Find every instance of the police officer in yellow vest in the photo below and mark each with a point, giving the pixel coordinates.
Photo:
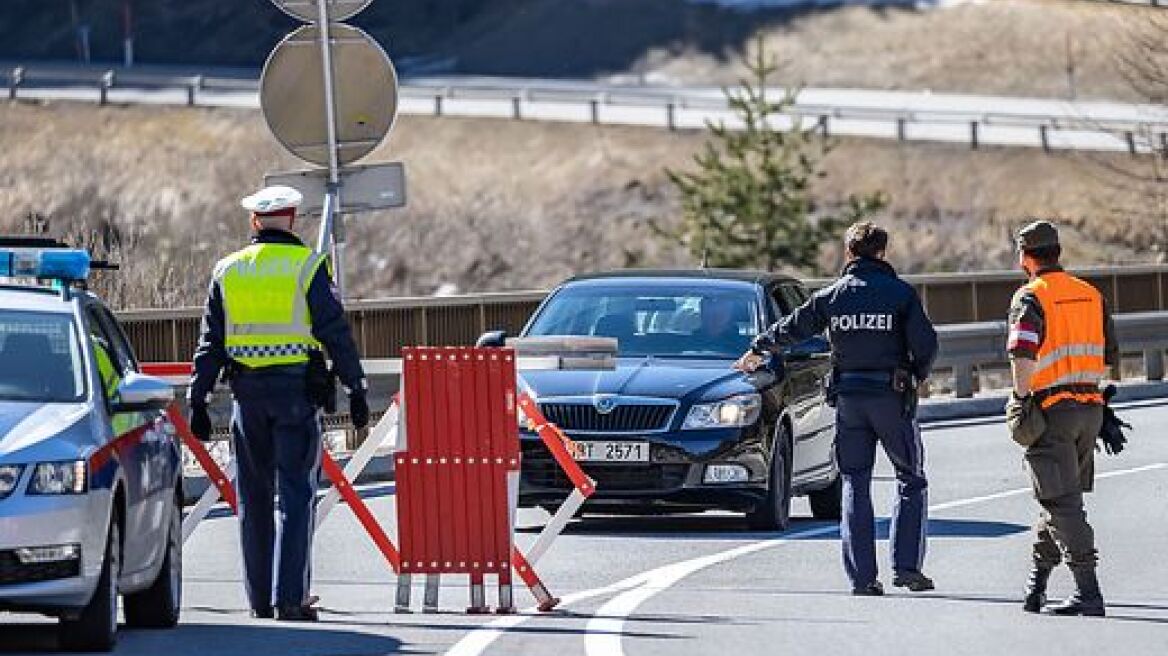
(1061, 342)
(270, 309)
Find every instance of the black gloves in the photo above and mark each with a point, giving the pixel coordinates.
(201, 422)
(1111, 433)
(358, 409)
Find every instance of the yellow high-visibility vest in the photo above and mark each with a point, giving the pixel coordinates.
(265, 304)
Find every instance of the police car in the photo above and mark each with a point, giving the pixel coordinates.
(90, 474)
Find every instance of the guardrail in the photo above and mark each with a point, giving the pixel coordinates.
(1136, 129)
(382, 327)
(967, 347)
(967, 350)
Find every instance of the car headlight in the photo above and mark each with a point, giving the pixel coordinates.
(9, 476)
(59, 478)
(742, 410)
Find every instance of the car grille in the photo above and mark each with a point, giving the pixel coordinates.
(623, 418)
(13, 571)
(541, 471)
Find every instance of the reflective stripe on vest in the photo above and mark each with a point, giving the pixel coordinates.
(1073, 349)
(265, 304)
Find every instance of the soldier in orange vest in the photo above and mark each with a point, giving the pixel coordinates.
(1061, 343)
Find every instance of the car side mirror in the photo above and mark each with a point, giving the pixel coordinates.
(142, 393)
(809, 349)
(492, 339)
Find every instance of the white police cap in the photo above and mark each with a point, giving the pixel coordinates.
(272, 199)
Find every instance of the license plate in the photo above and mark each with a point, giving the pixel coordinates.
(611, 451)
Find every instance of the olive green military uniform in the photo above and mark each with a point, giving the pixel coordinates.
(1061, 461)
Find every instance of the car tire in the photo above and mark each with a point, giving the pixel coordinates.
(159, 606)
(827, 503)
(774, 514)
(96, 628)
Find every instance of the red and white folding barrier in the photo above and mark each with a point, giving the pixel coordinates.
(457, 478)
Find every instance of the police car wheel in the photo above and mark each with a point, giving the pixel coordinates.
(159, 606)
(774, 514)
(96, 627)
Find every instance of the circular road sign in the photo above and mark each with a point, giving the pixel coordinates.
(364, 86)
(309, 10)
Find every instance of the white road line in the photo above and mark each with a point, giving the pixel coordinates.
(606, 627)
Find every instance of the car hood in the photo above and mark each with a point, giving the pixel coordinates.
(25, 427)
(688, 380)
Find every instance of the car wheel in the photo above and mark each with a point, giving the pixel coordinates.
(827, 503)
(158, 606)
(774, 514)
(96, 628)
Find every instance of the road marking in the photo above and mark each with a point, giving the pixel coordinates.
(605, 629)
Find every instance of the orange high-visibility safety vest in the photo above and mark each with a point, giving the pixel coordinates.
(1071, 360)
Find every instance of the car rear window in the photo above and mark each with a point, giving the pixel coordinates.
(39, 358)
(716, 322)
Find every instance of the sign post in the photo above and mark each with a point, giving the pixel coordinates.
(337, 118)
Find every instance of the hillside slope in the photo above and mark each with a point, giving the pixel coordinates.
(498, 205)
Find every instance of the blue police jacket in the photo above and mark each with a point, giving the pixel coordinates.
(329, 327)
(874, 320)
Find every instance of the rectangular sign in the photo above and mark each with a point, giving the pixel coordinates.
(363, 188)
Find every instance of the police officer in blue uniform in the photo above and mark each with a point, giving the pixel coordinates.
(270, 309)
(883, 346)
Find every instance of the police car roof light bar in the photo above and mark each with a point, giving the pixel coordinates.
(67, 265)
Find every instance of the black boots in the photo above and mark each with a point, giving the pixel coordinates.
(913, 580)
(1036, 588)
(1087, 600)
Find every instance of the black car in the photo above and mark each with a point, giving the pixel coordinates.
(674, 428)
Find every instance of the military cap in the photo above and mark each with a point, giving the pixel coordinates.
(272, 199)
(1039, 234)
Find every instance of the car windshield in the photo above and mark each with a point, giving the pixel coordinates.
(40, 359)
(717, 322)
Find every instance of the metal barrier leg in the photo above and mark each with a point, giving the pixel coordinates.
(546, 601)
(385, 432)
(555, 526)
(478, 596)
(402, 602)
(201, 508)
(433, 585)
(506, 595)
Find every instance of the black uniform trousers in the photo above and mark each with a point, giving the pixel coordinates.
(864, 419)
(1062, 468)
(277, 447)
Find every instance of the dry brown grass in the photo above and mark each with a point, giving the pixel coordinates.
(1011, 47)
(498, 205)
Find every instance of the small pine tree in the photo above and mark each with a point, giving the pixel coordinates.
(749, 203)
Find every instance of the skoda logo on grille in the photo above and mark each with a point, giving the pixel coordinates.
(604, 404)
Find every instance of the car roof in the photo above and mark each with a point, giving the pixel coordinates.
(35, 299)
(765, 278)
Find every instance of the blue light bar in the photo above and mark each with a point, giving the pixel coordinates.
(55, 263)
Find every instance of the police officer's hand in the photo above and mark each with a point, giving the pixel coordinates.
(359, 410)
(749, 362)
(201, 422)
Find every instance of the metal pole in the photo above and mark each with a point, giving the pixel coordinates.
(331, 220)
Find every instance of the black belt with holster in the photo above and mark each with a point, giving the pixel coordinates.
(320, 381)
(901, 381)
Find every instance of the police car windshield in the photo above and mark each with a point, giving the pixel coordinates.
(655, 320)
(40, 360)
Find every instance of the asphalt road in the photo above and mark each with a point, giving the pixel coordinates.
(702, 584)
